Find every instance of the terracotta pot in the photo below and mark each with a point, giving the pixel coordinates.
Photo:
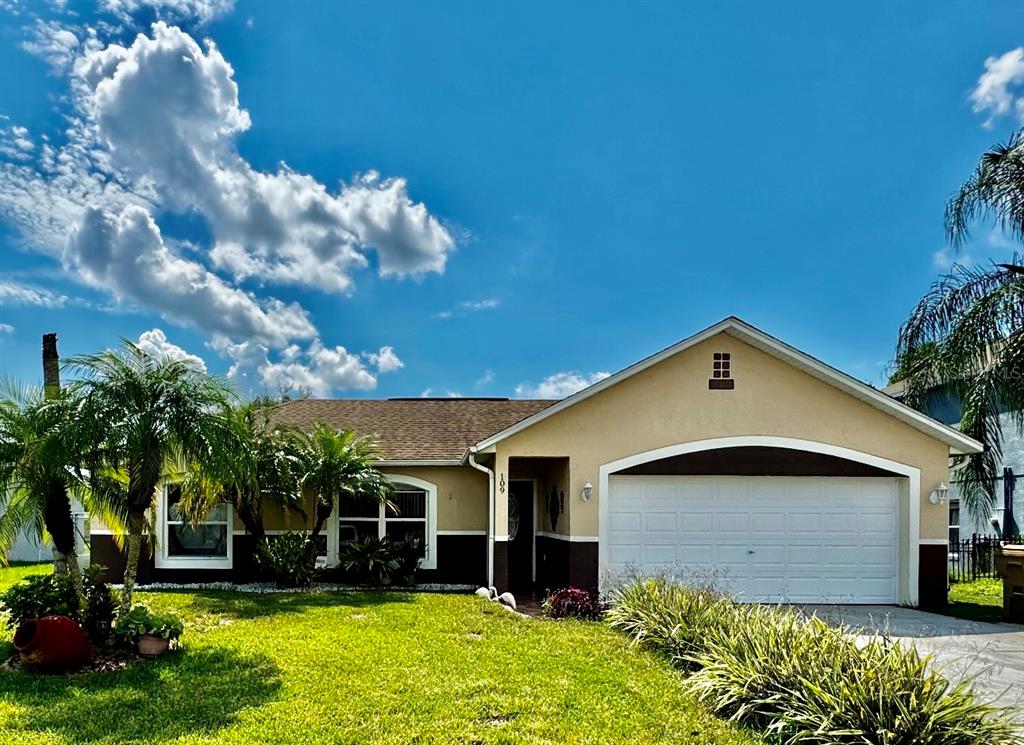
(52, 642)
(151, 645)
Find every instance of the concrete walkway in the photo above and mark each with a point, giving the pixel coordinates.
(991, 655)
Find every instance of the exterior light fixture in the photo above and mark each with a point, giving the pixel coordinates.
(939, 495)
(588, 489)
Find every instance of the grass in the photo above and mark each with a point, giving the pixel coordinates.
(364, 667)
(979, 600)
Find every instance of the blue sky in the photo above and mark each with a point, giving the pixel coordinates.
(562, 190)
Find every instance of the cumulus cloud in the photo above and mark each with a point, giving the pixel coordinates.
(126, 254)
(316, 370)
(6, 328)
(559, 385)
(18, 293)
(152, 128)
(994, 93)
(168, 112)
(385, 360)
(155, 343)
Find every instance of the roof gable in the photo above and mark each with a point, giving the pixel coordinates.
(958, 442)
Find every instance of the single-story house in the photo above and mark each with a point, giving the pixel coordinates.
(729, 453)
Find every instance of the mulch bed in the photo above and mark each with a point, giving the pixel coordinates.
(102, 661)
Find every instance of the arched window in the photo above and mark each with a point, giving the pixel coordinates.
(414, 519)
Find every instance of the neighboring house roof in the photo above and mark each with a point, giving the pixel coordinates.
(417, 429)
(958, 442)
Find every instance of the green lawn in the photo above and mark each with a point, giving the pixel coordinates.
(980, 600)
(363, 667)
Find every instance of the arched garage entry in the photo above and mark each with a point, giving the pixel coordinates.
(772, 518)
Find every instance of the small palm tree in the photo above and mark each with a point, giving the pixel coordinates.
(145, 416)
(338, 464)
(261, 465)
(40, 471)
(967, 333)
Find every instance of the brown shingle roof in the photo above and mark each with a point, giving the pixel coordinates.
(414, 429)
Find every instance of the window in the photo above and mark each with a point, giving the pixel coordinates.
(721, 371)
(954, 522)
(414, 518)
(206, 546)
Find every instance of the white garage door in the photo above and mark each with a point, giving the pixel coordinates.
(795, 540)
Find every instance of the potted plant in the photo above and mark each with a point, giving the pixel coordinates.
(152, 632)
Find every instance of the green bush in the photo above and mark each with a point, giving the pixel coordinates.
(799, 679)
(668, 616)
(40, 595)
(140, 620)
(54, 595)
(290, 558)
(372, 561)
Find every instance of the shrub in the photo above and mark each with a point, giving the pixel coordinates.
(140, 620)
(372, 561)
(668, 616)
(799, 679)
(54, 595)
(97, 617)
(573, 602)
(409, 556)
(40, 595)
(290, 558)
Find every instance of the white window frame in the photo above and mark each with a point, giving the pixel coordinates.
(430, 529)
(163, 560)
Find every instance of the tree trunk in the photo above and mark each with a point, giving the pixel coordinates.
(71, 563)
(136, 520)
(323, 511)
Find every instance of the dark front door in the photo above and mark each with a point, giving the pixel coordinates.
(520, 536)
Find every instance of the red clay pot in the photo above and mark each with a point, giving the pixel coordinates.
(52, 642)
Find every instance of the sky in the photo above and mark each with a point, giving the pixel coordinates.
(516, 199)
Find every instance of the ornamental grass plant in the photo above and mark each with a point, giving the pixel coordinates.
(799, 679)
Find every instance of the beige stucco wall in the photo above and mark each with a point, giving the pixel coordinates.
(461, 494)
(669, 403)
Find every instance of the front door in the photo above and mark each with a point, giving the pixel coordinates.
(520, 536)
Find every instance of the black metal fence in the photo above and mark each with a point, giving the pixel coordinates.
(973, 558)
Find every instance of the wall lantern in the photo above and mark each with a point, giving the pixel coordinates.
(939, 495)
(588, 489)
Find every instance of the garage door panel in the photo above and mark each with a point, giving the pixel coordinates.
(766, 538)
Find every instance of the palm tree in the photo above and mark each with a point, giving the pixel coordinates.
(262, 465)
(967, 332)
(338, 464)
(146, 416)
(40, 470)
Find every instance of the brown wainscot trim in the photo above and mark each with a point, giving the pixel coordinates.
(566, 561)
(461, 560)
(933, 573)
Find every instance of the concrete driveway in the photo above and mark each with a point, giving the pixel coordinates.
(990, 654)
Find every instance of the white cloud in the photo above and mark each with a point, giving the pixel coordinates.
(6, 328)
(152, 128)
(54, 42)
(484, 380)
(993, 95)
(468, 306)
(200, 11)
(168, 113)
(155, 343)
(317, 370)
(385, 360)
(126, 254)
(559, 385)
(17, 293)
(945, 258)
